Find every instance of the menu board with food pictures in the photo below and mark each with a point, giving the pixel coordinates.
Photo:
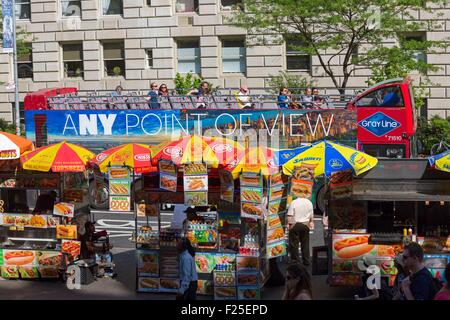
(251, 210)
(276, 179)
(251, 179)
(248, 278)
(247, 264)
(347, 214)
(119, 203)
(28, 272)
(147, 209)
(26, 220)
(195, 184)
(49, 258)
(11, 272)
(226, 186)
(196, 198)
(224, 278)
(275, 234)
(169, 264)
(48, 272)
(146, 284)
(71, 247)
(148, 263)
(341, 184)
(204, 262)
(75, 186)
(19, 258)
(169, 285)
(224, 293)
(66, 232)
(276, 249)
(349, 251)
(64, 209)
(119, 188)
(248, 293)
(301, 189)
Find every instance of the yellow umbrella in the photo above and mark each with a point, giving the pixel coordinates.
(441, 161)
(326, 157)
(59, 157)
(255, 159)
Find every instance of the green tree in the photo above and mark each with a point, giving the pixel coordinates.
(7, 127)
(349, 31)
(294, 82)
(185, 83)
(431, 132)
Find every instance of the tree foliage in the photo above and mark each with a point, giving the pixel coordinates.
(295, 83)
(7, 126)
(348, 33)
(431, 132)
(185, 83)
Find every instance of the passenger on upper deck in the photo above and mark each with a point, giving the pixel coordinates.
(284, 98)
(153, 95)
(243, 99)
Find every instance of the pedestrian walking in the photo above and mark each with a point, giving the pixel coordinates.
(420, 285)
(378, 290)
(402, 273)
(188, 272)
(300, 221)
(298, 283)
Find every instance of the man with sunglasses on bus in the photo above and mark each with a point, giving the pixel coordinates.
(420, 285)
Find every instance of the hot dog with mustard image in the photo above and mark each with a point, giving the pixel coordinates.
(353, 247)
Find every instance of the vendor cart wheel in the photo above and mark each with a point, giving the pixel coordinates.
(320, 200)
(99, 199)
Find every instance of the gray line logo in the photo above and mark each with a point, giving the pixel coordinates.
(374, 280)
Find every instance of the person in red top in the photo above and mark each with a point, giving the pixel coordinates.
(444, 293)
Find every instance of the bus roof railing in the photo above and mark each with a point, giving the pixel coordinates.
(95, 101)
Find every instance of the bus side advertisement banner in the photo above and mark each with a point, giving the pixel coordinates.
(113, 127)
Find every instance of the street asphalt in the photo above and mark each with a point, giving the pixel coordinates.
(120, 228)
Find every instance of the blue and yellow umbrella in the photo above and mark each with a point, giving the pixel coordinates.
(441, 161)
(325, 157)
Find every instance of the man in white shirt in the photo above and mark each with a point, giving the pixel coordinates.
(300, 221)
(244, 100)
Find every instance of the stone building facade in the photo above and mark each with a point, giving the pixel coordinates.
(99, 44)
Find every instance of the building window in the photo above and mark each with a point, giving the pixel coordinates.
(233, 56)
(231, 4)
(111, 7)
(23, 9)
(188, 56)
(70, 8)
(114, 58)
(186, 5)
(25, 63)
(73, 60)
(149, 55)
(296, 59)
(418, 55)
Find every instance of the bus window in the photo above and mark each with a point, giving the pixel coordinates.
(384, 97)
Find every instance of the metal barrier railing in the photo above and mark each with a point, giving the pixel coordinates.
(95, 101)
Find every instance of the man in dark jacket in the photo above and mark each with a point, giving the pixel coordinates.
(420, 284)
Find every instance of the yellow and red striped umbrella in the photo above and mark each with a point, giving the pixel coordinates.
(213, 151)
(59, 157)
(12, 146)
(133, 155)
(255, 159)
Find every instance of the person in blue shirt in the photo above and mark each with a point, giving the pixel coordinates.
(153, 94)
(188, 272)
(283, 98)
(392, 98)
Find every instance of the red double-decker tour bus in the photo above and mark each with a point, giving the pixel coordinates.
(381, 121)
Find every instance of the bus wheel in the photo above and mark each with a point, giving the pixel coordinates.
(320, 200)
(99, 197)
